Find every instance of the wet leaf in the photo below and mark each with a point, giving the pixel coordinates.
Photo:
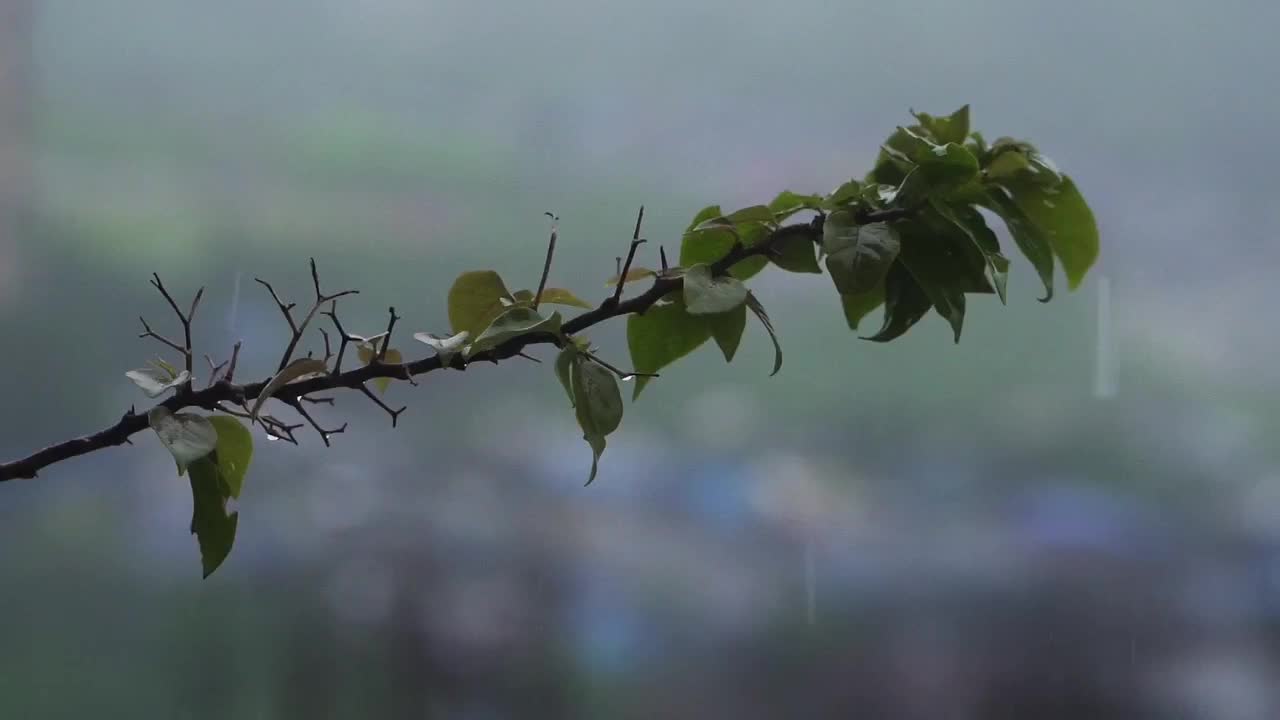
(187, 436)
(904, 304)
(857, 307)
(858, 256)
(1028, 236)
(707, 295)
(753, 214)
(796, 249)
(663, 334)
(1065, 220)
(758, 309)
(598, 404)
(296, 370)
(953, 128)
(939, 268)
(564, 364)
(707, 246)
(214, 528)
(368, 351)
(788, 203)
(516, 321)
(475, 300)
(233, 453)
(156, 381)
(983, 241)
(849, 192)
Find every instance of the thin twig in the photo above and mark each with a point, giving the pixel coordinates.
(395, 414)
(636, 242)
(621, 374)
(324, 433)
(386, 337)
(235, 356)
(297, 329)
(546, 266)
(157, 336)
(662, 256)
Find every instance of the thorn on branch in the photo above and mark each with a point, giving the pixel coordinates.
(395, 414)
(662, 256)
(546, 266)
(231, 366)
(328, 351)
(157, 336)
(386, 337)
(298, 328)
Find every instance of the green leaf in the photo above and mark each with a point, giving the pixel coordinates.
(516, 321)
(475, 300)
(214, 528)
(187, 436)
(758, 309)
(293, 371)
(858, 256)
(707, 213)
(708, 246)
(564, 365)
(953, 128)
(633, 275)
(1031, 240)
(856, 307)
(849, 192)
(233, 453)
(904, 304)
(788, 203)
(521, 297)
(368, 352)
(727, 328)
(560, 296)
(168, 369)
(795, 249)
(940, 169)
(753, 214)
(156, 381)
(598, 405)
(665, 333)
(445, 346)
(707, 295)
(939, 267)
(1065, 220)
(970, 222)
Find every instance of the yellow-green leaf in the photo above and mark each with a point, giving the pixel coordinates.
(233, 453)
(475, 299)
(293, 371)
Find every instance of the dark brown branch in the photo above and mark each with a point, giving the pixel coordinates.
(395, 414)
(156, 336)
(386, 337)
(631, 254)
(324, 433)
(184, 318)
(297, 329)
(225, 391)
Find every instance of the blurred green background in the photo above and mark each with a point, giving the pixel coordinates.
(1074, 513)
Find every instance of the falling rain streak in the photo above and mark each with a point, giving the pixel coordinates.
(1104, 368)
(810, 598)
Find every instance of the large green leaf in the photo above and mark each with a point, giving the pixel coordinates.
(707, 295)
(1028, 236)
(1064, 218)
(213, 526)
(709, 245)
(597, 404)
(848, 192)
(858, 256)
(663, 334)
(904, 304)
(939, 267)
(233, 453)
(788, 203)
(475, 300)
(939, 171)
(516, 321)
(564, 366)
(753, 214)
(727, 329)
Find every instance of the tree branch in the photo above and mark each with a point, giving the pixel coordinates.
(225, 391)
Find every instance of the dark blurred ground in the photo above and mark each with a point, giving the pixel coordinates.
(1041, 522)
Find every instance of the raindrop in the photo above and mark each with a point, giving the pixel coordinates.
(628, 378)
(1104, 369)
(272, 437)
(232, 315)
(810, 596)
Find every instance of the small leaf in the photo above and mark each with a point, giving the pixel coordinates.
(155, 381)
(516, 321)
(214, 528)
(712, 243)
(795, 250)
(475, 299)
(857, 307)
(665, 333)
(858, 256)
(560, 296)
(951, 129)
(1028, 236)
(445, 346)
(904, 304)
(233, 453)
(707, 295)
(598, 405)
(187, 436)
(849, 192)
(295, 370)
(788, 203)
(169, 370)
(635, 274)
(727, 328)
(758, 309)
